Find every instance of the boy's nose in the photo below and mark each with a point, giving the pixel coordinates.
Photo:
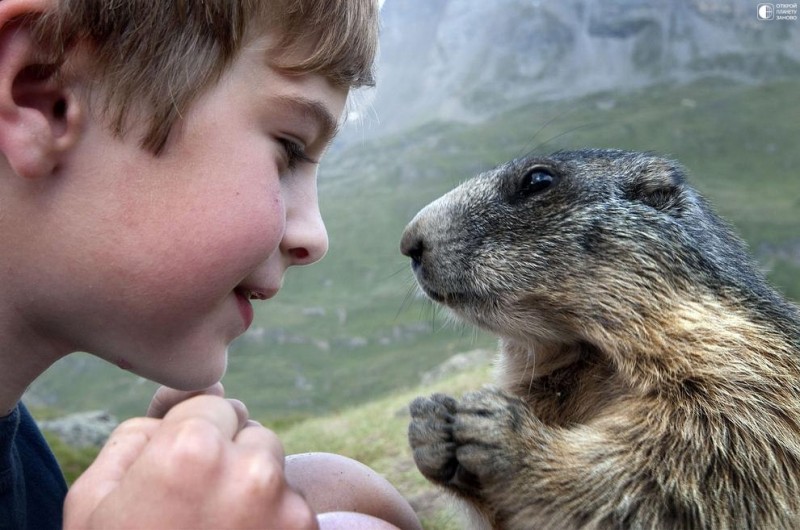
(306, 239)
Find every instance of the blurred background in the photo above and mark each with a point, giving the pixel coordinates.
(464, 85)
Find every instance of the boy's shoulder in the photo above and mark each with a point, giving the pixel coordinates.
(32, 487)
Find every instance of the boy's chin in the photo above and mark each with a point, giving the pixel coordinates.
(198, 381)
(190, 377)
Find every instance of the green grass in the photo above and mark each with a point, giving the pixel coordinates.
(72, 460)
(375, 433)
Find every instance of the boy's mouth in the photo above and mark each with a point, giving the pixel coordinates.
(243, 297)
(245, 307)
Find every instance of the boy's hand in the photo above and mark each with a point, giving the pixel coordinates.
(195, 468)
(165, 398)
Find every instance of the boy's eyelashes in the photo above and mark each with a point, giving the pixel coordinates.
(295, 153)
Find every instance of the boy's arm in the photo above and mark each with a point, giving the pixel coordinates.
(348, 494)
(194, 469)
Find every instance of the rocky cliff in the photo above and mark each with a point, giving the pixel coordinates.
(465, 59)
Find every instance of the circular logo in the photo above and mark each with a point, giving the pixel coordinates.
(766, 11)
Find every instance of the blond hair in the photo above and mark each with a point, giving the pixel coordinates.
(162, 54)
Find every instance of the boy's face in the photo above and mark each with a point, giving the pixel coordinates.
(148, 261)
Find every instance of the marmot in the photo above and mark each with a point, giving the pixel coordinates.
(648, 377)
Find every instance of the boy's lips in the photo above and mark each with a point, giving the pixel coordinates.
(243, 297)
(245, 308)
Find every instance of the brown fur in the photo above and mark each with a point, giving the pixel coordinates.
(648, 375)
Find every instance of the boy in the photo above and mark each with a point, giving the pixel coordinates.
(158, 174)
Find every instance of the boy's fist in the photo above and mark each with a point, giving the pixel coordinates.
(195, 468)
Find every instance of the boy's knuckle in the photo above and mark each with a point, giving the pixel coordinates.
(196, 447)
(131, 426)
(260, 475)
(130, 434)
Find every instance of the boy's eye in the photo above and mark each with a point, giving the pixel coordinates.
(295, 154)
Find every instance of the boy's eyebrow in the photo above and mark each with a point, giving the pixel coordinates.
(315, 111)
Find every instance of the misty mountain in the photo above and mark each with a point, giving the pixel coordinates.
(463, 60)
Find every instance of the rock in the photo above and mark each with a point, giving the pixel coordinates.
(85, 429)
(314, 312)
(459, 362)
(460, 60)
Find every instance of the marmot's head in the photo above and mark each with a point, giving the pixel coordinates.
(542, 247)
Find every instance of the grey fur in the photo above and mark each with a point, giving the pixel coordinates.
(648, 377)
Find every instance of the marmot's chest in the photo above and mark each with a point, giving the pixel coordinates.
(573, 394)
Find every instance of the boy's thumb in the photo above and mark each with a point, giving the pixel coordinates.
(121, 450)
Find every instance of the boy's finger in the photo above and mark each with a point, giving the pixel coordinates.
(120, 451)
(125, 444)
(215, 410)
(165, 398)
(257, 437)
(242, 413)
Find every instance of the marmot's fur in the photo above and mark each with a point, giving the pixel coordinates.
(648, 375)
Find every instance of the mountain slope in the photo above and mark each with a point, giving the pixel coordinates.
(351, 329)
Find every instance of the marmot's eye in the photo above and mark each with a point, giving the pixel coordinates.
(536, 180)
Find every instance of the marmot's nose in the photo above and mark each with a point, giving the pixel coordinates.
(412, 244)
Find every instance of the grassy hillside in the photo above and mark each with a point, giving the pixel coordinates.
(375, 434)
(351, 330)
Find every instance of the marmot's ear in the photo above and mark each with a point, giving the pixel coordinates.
(655, 182)
(39, 118)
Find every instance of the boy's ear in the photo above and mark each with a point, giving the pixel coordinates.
(39, 119)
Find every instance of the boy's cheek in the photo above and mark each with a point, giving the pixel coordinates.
(192, 261)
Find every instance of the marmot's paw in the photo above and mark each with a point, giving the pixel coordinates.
(430, 434)
(488, 430)
(467, 443)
